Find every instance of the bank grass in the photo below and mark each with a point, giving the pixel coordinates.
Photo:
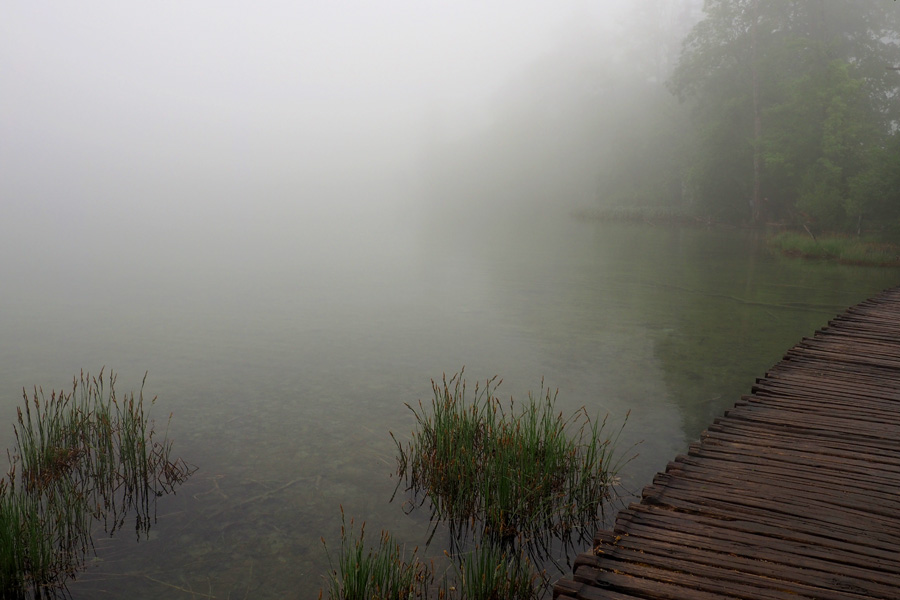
(836, 247)
(509, 471)
(80, 457)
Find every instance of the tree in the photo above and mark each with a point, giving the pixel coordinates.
(790, 101)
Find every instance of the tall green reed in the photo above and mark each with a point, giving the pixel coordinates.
(80, 457)
(382, 572)
(509, 472)
(489, 572)
(385, 572)
(508, 479)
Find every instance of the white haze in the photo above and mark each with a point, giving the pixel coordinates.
(167, 146)
(202, 111)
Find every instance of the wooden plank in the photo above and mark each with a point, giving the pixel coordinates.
(725, 539)
(790, 525)
(784, 496)
(770, 500)
(827, 461)
(789, 478)
(732, 526)
(791, 494)
(798, 575)
(748, 431)
(835, 494)
(682, 580)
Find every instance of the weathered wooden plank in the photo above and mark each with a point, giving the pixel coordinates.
(846, 543)
(832, 386)
(827, 460)
(866, 451)
(784, 496)
(794, 574)
(806, 480)
(770, 500)
(719, 538)
(792, 494)
(690, 581)
(838, 357)
(732, 432)
(814, 421)
(835, 494)
(749, 432)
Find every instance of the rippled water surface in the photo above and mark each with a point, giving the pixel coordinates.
(287, 364)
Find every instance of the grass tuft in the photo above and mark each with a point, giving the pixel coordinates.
(384, 572)
(516, 477)
(378, 573)
(508, 471)
(490, 572)
(79, 457)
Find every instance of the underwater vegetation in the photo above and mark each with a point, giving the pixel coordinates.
(81, 457)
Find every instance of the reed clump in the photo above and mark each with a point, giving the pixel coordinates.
(80, 457)
(385, 572)
(490, 572)
(508, 471)
(509, 480)
(382, 572)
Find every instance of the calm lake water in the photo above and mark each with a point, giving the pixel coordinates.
(287, 360)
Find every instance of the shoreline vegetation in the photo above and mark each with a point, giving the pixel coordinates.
(843, 249)
(864, 250)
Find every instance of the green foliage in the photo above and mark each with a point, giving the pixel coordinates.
(83, 456)
(844, 249)
(384, 572)
(490, 572)
(510, 472)
(813, 70)
(512, 476)
(875, 190)
(379, 573)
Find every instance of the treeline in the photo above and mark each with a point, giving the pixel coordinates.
(740, 111)
(794, 112)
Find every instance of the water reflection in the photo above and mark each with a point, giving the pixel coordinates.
(286, 378)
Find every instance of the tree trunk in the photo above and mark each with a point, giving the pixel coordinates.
(756, 199)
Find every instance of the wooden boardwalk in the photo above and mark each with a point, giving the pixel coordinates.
(794, 494)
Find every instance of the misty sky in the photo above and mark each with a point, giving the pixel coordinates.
(164, 108)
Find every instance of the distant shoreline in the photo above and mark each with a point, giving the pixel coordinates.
(835, 247)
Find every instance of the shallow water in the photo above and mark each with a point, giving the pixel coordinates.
(287, 364)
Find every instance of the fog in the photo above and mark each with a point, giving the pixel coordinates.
(179, 107)
(199, 150)
(196, 118)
